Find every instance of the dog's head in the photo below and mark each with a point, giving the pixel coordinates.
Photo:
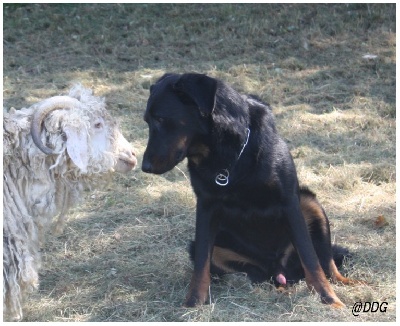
(178, 112)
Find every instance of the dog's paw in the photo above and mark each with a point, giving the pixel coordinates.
(337, 304)
(194, 301)
(191, 303)
(333, 301)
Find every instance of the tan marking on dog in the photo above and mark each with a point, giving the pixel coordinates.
(318, 282)
(221, 258)
(198, 153)
(312, 210)
(288, 251)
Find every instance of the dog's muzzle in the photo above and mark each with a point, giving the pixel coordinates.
(147, 166)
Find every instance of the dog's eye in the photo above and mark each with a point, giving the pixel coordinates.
(159, 120)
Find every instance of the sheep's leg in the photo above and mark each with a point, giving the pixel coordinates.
(21, 255)
(58, 228)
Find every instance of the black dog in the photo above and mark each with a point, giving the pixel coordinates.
(252, 216)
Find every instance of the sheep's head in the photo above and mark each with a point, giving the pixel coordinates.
(88, 133)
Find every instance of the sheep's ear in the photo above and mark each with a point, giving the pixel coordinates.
(201, 89)
(77, 147)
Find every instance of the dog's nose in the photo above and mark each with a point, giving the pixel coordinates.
(146, 166)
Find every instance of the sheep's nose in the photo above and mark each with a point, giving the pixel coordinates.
(129, 154)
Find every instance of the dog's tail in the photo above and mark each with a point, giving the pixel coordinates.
(339, 254)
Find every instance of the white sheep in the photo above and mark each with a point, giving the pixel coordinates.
(51, 152)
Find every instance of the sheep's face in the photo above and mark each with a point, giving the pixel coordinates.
(80, 126)
(88, 133)
(100, 146)
(108, 150)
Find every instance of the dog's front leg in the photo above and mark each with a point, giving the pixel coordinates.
(314, 274)
(206, 227)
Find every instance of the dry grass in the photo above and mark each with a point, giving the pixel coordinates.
(123, 254)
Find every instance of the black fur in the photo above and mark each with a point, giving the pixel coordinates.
(257, 216)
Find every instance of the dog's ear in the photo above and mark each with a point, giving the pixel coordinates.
(160, 79)
(168, 74)
(201, 89)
